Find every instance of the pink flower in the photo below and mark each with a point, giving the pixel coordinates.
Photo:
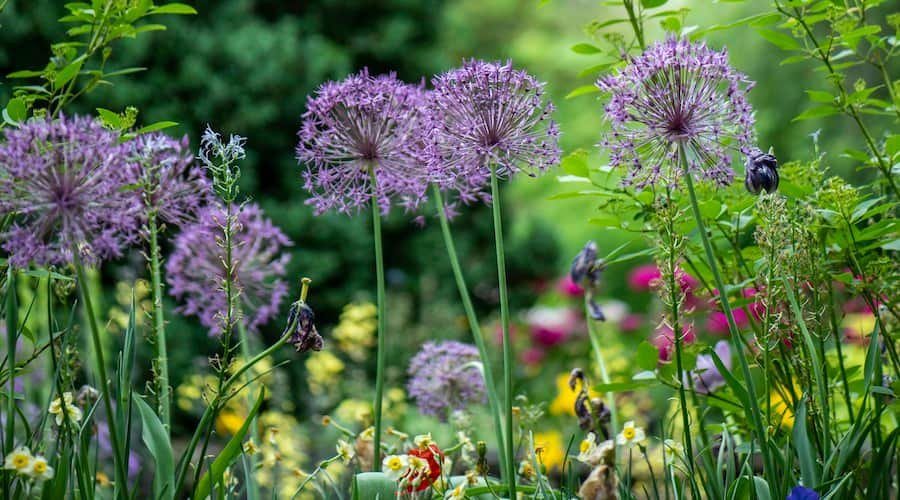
(551, 325)
(533, 356)
(717, 322)
(664, 341)
(631, 323)
(642, 278)
(569, 288)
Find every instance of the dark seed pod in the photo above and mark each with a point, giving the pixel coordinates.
(762, 172)
(305, 337)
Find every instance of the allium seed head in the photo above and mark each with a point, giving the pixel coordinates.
(489, 114)
(361, 123)
(677, 93)
(195, 270)
(442, 378)
(65, 181)
(170, 181)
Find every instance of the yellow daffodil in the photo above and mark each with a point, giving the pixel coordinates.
(782, 411)
(18, 460)
(229, 422)
(394, 466)
(564, 402)
(548, 446)
(586, 448)
(40, 470)
(72, 412)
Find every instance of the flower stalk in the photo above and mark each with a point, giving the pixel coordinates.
(159, 327)
(381, 348)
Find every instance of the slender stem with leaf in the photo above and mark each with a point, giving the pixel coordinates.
(504, 324)
(115, 437)
(594, 336)
(159, 326)
(12, 326)
(737, 340)
(382, 328)
(474, 326)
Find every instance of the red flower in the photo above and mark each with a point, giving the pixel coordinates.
(435, 457)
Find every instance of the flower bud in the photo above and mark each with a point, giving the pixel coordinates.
(762, 172)
(583, 265)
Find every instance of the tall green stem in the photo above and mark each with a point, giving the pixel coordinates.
(737, 340)
(12, 328)
(504, 322)
(601, 364)
(252, 492)
(493, 398)
(121, 471)
(159, 327)
(382, 328)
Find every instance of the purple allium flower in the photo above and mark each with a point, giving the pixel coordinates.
(364, 122)
(65, 181)
(803, 493)
(443, 378)
(677, 93)
(706, 375)
(196, 274)
(170, 181)
(489, 114)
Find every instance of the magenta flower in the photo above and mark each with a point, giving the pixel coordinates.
(170, 181)
(443, 378)
(569, 288)
(195, 272)
(664, 341)
(489, 114)
(65, 182)
(357, 125)
(551, 326)
(643, 278)
(677, 93)
(717, 322)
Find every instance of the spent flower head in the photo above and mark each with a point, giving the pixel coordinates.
(362, 141)
(489, 115)
(677, 94)
(443, 377)
(171, 183)
(65, 182)
(195, 272)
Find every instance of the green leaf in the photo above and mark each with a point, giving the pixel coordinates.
(373, 485)
(779, 39)
(173, 8)
(153, 127)
(228, 454)
(110, 118)
(576, 163)
(651, 4)
(25, 73)
(66, 74)
(156, 440)
(820, 96)
(585, 48)
(816, 112)
(583, 90)
(671, 24)
(623, 386)
(647, 356)
(809, 471)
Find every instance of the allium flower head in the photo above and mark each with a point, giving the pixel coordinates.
(677, 93)
(195, 272)
(443, 378)
(361, 123)
(170, 181)
(65, 181)
(489, 114)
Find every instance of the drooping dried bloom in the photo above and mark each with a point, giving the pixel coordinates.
(489, 114)
(65, 181)
(761, 172)
(305, 337)
(195, 272)
(443, 377)
(677, 93)
(170, 182)
(586, 271)
(357, 125)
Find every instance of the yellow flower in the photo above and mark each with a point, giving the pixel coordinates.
(548, 446)
(782, 411)
(103, 480)
(229, 422)
(354, 410)
(564, 403)
(458, 493)
(40, 469)
(587, 448)
(860, 325)
(355, 333)
(322, 370)
(72, 412)
(394, 466)
(18, 460)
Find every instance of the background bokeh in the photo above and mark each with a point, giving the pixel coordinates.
(246, 67)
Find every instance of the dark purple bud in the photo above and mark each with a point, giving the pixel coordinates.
(583, 268)
(305, 337)
(762, 172)
(595, 310)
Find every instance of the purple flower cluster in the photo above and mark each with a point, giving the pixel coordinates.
(64, 181)
(358, 125)
(677, 93)
(488, 114)
(195, 271)
(170, 180)
(443, 377)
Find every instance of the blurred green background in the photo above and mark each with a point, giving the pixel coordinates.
(246, 67)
